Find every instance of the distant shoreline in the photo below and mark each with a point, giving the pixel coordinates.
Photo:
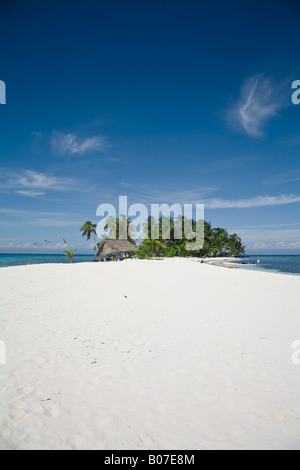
(285, 264)
(89, 254)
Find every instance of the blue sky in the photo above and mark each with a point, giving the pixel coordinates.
(186, 102)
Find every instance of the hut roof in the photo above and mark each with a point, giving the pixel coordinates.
(115, 246)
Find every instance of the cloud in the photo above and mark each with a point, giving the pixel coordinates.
(32, 179)
(5, 246)
(291, 176)
(55, 221)
(258, 201)
(159, 194)
(271, 239)
(269, 235)
(40, 218)
(155, 194)
(228, 163)
(37, 134)
(262, 227)
(30, 193)
(56, 246)
(31, 183)
(261, 99)
(260, 246)
(69, 144)
(288, 246)
(277, 246)
(17, 246)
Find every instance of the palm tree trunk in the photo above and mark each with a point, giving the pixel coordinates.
(96, 246)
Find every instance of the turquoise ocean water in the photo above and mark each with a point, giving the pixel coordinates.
(21, 260)
(284, 264)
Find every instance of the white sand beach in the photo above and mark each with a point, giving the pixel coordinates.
(169, 354)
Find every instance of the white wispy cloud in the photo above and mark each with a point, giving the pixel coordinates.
(30, 193)
(288, 246)
(261, 99)
(159, 194)
(32, 184)
(271, 240)
(291, 176)
(257, 201)
(70, 144)
(34, 180)
(228, 164)
(202, 195)
(17, 246)
(293, 246)
(40, 218)
(148, 195)
(266, 226)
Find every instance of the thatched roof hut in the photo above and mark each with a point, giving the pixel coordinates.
(109, 247)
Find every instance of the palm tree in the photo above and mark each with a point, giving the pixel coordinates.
(235, 245)
(151, 228)
(155, 246)
(122, 225)
(69, 254)
(112, 226)
(89, 230)
(126, 226)
(219, 241)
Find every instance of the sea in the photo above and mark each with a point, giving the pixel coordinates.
(7, 259)
(288, 264)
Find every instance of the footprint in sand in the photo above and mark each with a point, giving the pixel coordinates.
(6, 434)
(280, 417)
(16, 414)
(51, 411)
(38, 361)
(24, 392)
(78, 442)
(24, 389)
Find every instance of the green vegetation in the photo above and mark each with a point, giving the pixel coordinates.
(70, 254)
(151, 248)
(117, 226)
(217, 241)
(166, 237)
(89, 229)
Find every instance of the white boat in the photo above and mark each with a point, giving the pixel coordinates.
(231, 264)
(241, 264)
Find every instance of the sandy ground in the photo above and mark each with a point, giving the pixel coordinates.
(160, 355)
